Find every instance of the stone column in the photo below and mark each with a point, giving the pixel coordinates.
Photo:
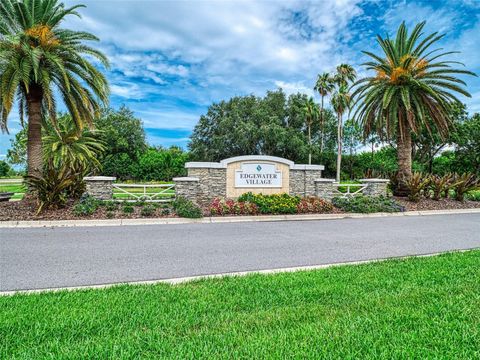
(188, 188)
(324, 188)
(375, 187)
(99, 187)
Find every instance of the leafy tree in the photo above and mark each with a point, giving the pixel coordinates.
(352, 139)
(427, 143)
(341, 103)
(467, 144)
(124, 139)
(311, 113)
(161, 164)
(411, 88)
(39, 59)
(17, 154)
(324, 86)
(5, 169)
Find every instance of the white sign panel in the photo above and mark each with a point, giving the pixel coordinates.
(258, 175)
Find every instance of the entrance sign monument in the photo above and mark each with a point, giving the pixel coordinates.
(235, 176)
(258, 175)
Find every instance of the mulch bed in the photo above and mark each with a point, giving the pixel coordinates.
(26, 210)
(442, 204)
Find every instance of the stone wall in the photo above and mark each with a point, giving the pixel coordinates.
(211, 183)
(325, 188)
(375, 187)
(99, 187)
(302, 181)
(187, 187)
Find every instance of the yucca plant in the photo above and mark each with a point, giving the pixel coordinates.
(52, 187)
(417, 184)
(39, 59)
(440, 185)
(411, 88)
(465, 183)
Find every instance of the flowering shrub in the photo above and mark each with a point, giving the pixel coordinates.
(272, 204)
(232, 207)
(313, 204)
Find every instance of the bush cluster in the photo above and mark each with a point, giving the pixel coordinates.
(186, 208)
(87, 205)
(436, 186)
(232, 207)
(367, 204)
(315, 205)
(254, 204)
(272, 204)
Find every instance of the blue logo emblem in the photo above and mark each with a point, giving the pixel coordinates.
(259, 168)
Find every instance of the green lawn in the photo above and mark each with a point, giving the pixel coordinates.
(18, 189)
(417, 308)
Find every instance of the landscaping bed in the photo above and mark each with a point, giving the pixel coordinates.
(442, 204)
(414, 308)
(26, 209)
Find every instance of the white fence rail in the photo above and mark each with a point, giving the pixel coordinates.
(351, 189)
(144, 192)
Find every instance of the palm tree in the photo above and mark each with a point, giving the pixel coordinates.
(324, 86)
(39, 59)
(341, 102)
(411, 88)
(65, 145)
(311, 113)
(345, 74)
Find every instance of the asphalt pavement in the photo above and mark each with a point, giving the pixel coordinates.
(38, 258)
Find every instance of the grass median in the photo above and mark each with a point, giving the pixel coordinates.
(415, 308)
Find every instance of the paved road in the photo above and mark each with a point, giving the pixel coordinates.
(55, 257)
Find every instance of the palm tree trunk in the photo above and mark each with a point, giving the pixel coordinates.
(404, 158)
(322, 127)
(309, 145)
(34, 131)
(339, 149)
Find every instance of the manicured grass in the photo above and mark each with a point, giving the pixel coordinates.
(417, 308)
(18, 189)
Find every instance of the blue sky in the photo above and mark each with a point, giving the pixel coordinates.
(171, 59)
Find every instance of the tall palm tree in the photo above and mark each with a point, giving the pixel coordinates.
(341, 100)
(39, 59)
(324, 86)
(311, 114)
(411, 88)
(345, 74)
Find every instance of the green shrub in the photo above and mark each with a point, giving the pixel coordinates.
(440, 185)
(186, 208)
(272, 204)
(110, 205)
(148, 210)
(110, 214)
(52, 186)
(166, 211)
(86, 206)
(367, 204)
(417, 185)
(128, 209)
(464, 184)
(473, 196)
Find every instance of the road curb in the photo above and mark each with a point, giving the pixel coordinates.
(225, 219)
(187, 279)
